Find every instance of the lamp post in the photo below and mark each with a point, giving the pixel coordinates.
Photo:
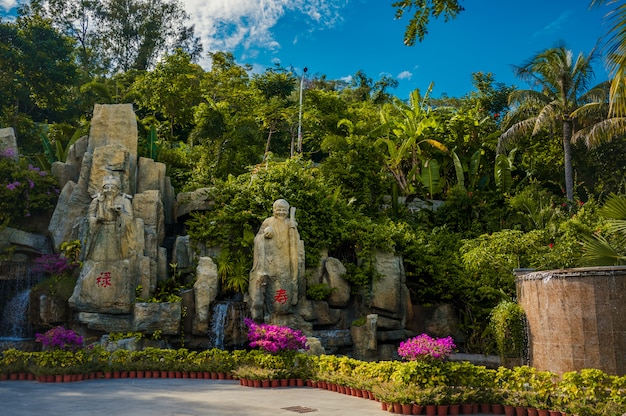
(299, 148)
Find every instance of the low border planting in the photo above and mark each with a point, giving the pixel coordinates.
(425, 379)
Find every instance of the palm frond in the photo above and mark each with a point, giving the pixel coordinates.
(597, 251)
(601, 132)
(514, 133)
(546, 117)
(614, 207)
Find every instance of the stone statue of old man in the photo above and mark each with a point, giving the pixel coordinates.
(277, 264)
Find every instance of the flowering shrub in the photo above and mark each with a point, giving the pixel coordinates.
(24, 189)
(423, 347)
(54, 264)
(60, 338)
(274, 338)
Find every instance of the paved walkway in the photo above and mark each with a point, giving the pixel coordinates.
(173, 397)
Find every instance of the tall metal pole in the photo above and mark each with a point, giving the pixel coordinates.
(300, 113)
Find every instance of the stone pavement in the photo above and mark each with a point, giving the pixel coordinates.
(173, 397)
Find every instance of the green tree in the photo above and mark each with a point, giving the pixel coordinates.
(275, 110)
(171, 90)
(77, 19)
(424, 9)
(134, 34)
(224, 122)
(563, 102)
(36, 76)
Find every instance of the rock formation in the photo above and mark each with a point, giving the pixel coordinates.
(121, 234)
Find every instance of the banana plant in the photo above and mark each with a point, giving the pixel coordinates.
(403, 130)
(430, 177)
(502, 170)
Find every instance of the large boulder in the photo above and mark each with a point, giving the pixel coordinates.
(151, 317)
(24, 242)
(104, 287)
(69, 170)
(198, 200)
(151, 177)
(335, 270)
(115, 124)
(206, 289)
(388, 292)
(148, 206)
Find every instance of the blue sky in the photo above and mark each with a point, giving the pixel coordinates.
(339, 37)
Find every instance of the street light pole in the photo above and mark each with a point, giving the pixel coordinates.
(300, 112)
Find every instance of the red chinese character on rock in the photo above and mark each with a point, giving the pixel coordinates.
(281, 296)
(104, 280)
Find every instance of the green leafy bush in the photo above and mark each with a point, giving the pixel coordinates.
(319, 291)
(509, 327)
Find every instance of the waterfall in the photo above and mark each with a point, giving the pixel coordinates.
(14, 322)
(227, 329)
(218, 323)
(16, 281)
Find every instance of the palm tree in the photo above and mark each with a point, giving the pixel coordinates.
(563, 101)
(616, 55)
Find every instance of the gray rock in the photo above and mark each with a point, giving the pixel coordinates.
(151, 317)
(335, 271)
(24, 241)
(116, 124)
(64, 173)
(315, 346)
(198, 200)
(104, 287)
(441, 321)
(52, 311)
(206, 290)
(106, 322)
(183, 255)
(387, 292)
(8, 143)
(148, 206)
(364, 339)
(334, 338)
(318, 312)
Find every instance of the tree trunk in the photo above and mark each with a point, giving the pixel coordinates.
(567, 159)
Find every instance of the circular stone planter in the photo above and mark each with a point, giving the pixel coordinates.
(576, 315)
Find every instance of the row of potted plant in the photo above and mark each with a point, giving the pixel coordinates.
(427, 379)
(586, 392)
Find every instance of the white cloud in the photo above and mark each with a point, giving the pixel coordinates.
(224, 25)
(8, 4)
(405, 75)
(554, 26)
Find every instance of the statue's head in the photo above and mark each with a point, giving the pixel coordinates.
(280, 208)
(111, 185)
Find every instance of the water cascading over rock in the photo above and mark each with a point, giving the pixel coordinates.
(16, 281)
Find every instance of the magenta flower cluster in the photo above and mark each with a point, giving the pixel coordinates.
(274, 338)
(53, 264)
(60, 338)
(424, 347)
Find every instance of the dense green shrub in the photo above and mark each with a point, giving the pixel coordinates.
(325, 219)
